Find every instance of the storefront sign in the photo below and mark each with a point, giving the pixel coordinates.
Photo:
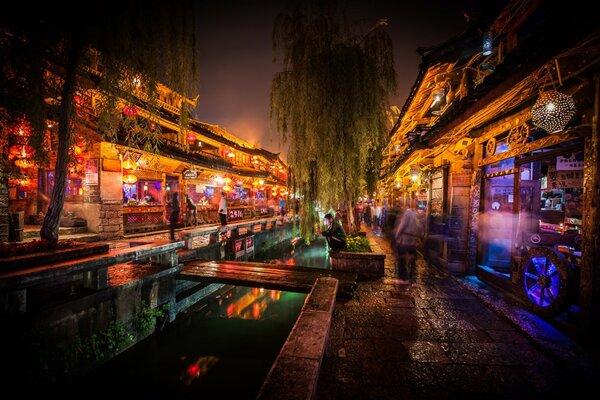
(91, 172)
(573, 162)
(564, 179)
(190, 173)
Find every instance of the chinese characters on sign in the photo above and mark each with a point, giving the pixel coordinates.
(572, 162)
(565, 179)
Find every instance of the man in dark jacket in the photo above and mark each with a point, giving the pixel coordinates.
(335, 235)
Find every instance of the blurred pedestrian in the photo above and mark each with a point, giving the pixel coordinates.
(223, 209)
(406, 237)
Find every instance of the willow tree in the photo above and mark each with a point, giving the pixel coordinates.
(330, 102)
(53, 56)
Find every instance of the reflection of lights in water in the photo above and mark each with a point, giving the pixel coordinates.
(198, 369)
(252, 304)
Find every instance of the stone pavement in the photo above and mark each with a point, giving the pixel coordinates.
(433, 339)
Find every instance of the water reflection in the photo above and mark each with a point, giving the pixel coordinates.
(235, 334)
(296, 252)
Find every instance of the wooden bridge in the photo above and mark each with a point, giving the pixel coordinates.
(271, 276)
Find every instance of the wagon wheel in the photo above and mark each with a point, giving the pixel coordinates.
(490, 147)
(518, 136)
(546, 282)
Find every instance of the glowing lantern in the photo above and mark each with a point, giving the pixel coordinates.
(130, 111)
(488, 43)
(255, 183)
(226, 188)
(261, 182)
(190, 137)
(552, 111)
(23, 181)
(129, 164)
(231, 154)
(227, 180)
(129, 179)
(24, 163)
(20, 151)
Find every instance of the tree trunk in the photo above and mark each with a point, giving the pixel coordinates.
(49, 230)
(349, 208)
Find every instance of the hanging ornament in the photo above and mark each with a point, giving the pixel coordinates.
(553, 111)
(130, 179)
(24, 163)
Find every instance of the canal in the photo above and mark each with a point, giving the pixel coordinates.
(221, 347)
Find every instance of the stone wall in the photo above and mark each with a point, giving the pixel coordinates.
(110, 221)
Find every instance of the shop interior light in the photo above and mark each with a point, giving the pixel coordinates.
(261, 182)
(414, 177)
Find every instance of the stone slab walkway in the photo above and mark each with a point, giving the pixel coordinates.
(433, 339)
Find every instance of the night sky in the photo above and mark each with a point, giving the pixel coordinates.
(236, 66)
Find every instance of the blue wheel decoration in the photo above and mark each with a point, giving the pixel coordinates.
(546, 281)
(542, 282)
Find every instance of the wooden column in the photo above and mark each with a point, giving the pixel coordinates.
(589, 287)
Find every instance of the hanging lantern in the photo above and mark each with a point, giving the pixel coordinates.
(255, 183)
(24, 163)
(129, 164)
(23, 181)
(20, 151)
(190, 137)
(488, 43)
(231, 154)
(227, 180)
(552, 111)
(129, 179)
(226, 188)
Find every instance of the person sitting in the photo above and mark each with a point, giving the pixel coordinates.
(335, 235)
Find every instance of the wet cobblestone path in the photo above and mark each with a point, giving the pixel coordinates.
(431, 340)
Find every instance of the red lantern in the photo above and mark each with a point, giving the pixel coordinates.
(191, 138)
(20, 151)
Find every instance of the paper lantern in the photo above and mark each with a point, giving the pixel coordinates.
(130, 179)
(553, 111)
(24, 163)
(226, 188)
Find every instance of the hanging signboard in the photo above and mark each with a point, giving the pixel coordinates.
(564, 179)
(190, 173)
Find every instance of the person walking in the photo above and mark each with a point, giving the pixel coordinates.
(223, 209)
(335, 235)
(282, 206)
(406, 238)
(174, 215)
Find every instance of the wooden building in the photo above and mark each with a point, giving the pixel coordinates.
(498, 144)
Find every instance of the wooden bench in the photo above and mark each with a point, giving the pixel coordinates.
(295, 373)
(14, 284)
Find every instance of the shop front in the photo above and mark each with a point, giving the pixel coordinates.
(530, 220)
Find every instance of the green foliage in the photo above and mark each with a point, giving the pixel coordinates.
(357, 243)
(148, 317)
(330, 102)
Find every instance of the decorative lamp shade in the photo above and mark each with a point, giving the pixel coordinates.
(129, 164)
(130, 179)
(552, 111)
